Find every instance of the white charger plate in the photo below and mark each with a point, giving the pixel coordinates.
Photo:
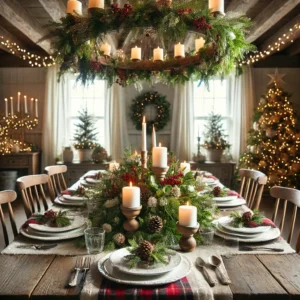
(113, 274)
(223, 199)
(239, 235)
(92, 180)
(68, 203)
(37, 235)
(117, 260)
(233, 203)
(78, 221)
(74, 198)
(226, 223)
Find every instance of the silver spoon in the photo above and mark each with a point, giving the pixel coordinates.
(216, 262)
(201, 263)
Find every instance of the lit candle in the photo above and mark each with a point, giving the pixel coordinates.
(6, 107)
(144, 135)
(113, 166)
(216, 5)
(18, 106)
(185, 167)
(31, 105)
(158, 54)
(179, 50)
(25, 104)
(187, 215)
(153, 137)
(131, 196)
(96, 3)
(199, 43)
(160, 157)
(136, 53)
(12, 106)
(74, 7)
(36, 108)
(106, 48)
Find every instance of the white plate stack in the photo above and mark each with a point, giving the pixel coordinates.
(229, 201)
(69, 200)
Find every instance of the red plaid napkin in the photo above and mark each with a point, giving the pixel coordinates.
(90, 176)
(180, 290)
(211, 176)
(267, 222)
(66, 192)
(234, 193)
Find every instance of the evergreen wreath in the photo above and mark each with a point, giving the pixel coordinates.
(162, 106)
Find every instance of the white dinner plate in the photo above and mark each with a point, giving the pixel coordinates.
(226, 223)
(236, 234)
(74, 198)
(68, 203)
(269, 235)
(76, 222)
(233, 203)
(208, 180)
(223, 199)
(92, 180)
(38, 235)
(117, 260)
(113, 274)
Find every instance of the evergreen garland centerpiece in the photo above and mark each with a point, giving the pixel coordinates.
(214, 137)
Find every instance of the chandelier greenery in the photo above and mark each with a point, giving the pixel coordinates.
(77, 42)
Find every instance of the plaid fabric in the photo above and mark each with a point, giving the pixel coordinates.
(179, 290)
(66, 192)
(233, 193)
(211, 176)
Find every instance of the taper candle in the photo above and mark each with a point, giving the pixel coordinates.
(6, 107)
(199, 43)
(74, 7)
(160, 156)
(25, 104)
(144, 135)
(131, 196)
(12, 106)
(106, 48)
(187, 215)
(31, 105)
(153, 137)
(18, 104)
(216, 5)
(36, 108)
(136, 53)
(179, 50)
(158, 54)
(96, 4)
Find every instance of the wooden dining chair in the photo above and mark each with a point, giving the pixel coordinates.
(33, 189)
(252, 186)
(57, 179)
(286, 195)
(8, 197)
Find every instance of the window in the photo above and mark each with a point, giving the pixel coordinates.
(93, 97)
(205, 101)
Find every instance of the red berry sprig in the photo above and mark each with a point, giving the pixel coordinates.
(95, 65)
(184, 11)
(201, 24)
(173, 180)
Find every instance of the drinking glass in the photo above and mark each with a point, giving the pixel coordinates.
(92, 205)
(94, 239)
(207, 235)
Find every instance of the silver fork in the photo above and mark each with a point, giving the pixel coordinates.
(86, 267)
(77, 268)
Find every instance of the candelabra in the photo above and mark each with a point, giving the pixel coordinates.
(199, 157)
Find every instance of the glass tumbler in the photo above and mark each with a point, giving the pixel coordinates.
(94, 239)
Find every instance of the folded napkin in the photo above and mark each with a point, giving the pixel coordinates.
(267, 222)
(234, 193)
(211, 176)
(66, 192)
(179, 289)
(90, 176)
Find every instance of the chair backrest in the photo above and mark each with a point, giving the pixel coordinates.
(252, 186)
(57, 180)
(8, 196)
(32, 188)
(287, 195)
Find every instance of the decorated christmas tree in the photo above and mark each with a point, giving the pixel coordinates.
(85, 134)
(273, 143)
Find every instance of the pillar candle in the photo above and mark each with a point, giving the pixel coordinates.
(12, 106)
(106, 48)
(113, 166)
(144, 135)
(6, 107)
(31, 106)
(36, 108)
(179, 50)
(136, 53)
(131, 196)
(158, 54)
(216, 5)
(74, 7)
(18, 106)
(160, 157)
(96, 4)
(199, 43)
(25, 104)
(153, 137)
(187, 215)
(185, 167)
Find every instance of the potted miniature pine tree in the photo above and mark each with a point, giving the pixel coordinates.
(215, 138)
(85, 135)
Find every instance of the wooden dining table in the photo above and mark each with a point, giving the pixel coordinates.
(44, 274)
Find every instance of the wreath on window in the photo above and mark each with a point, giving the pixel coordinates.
(162, 111)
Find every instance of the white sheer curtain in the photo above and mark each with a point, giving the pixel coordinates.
(56, 108)
(116, 124)
(183, 122)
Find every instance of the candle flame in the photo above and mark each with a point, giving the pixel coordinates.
(144, 119)
(188, 203)
(36, 100)
(11, 98)
(32, 99)
(159, 144)
(25, 96)
(5, 99)
(135, 153)
(19, 93)
(130, 183)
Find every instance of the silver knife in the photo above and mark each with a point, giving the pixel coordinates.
(37, 247)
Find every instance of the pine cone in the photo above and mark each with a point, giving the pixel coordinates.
(145, 195)
(247, 217)
(217, 191)
(175, 192)
(119, 239)
(155, 224)
(144, 250)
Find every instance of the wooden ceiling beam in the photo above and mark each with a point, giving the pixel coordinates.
(269, 16)
(13, 12)
(294, 49)
(242, 6)
(8, 36)
(55, 8)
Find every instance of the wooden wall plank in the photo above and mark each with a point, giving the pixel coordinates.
(241, 6)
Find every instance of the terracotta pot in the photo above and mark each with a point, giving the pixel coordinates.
(67, 155)
(85, 154)
(214, 155)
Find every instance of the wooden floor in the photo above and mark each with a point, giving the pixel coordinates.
(266, 207)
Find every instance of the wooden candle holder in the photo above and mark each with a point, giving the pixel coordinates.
(159, 172)
(187, 242)
(144, 159)
(131, 224)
